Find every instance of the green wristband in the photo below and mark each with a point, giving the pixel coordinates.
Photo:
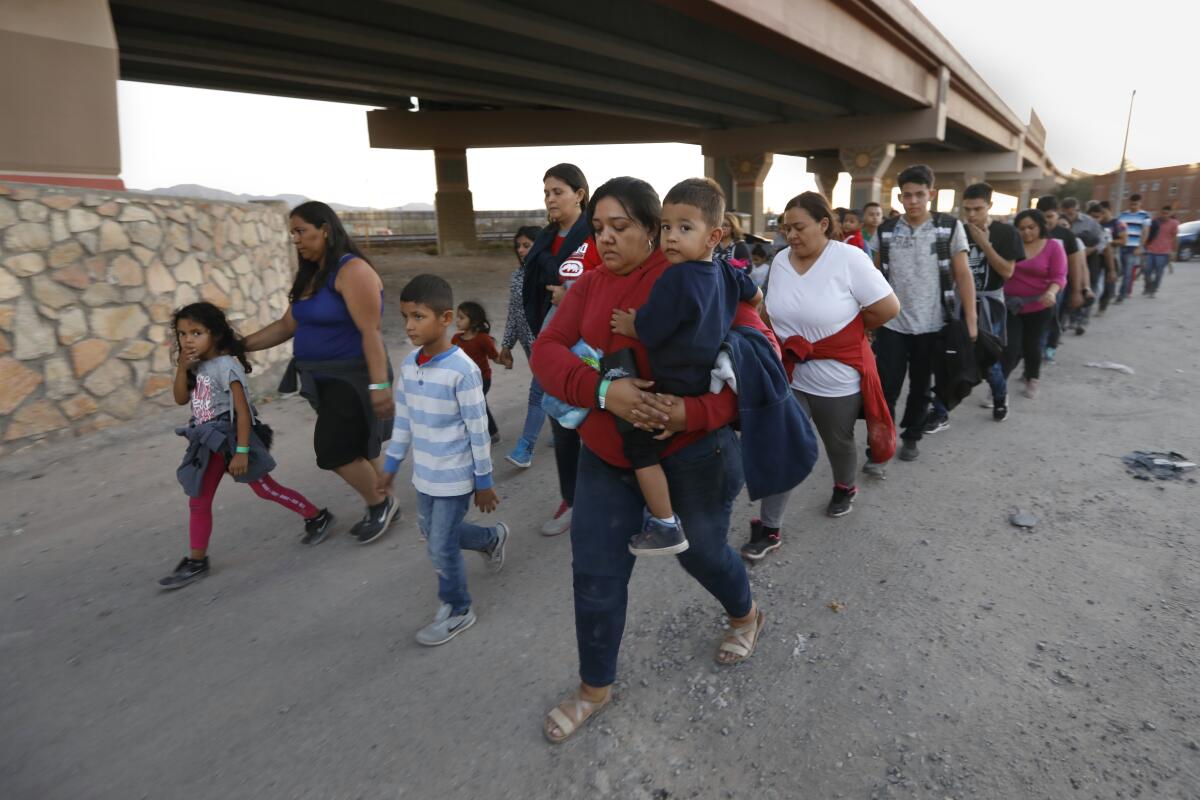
(602, 391)
(240, 450)
(377, 386)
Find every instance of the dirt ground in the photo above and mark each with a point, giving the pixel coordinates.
(969, 659)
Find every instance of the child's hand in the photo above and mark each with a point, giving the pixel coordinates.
(188, 358)
(622, 322)
(239, 465)
(383, 482)
(666, 434)
(486, 500)
(506, 358)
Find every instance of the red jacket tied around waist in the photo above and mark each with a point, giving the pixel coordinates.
(850, 347)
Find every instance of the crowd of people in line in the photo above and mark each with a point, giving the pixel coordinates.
(663, 347)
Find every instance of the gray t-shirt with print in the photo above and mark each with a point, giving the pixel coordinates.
(913, 272)
(211, 396)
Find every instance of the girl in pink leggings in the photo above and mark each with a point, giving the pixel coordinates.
(223, 435)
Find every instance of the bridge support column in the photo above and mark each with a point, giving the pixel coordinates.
(748, 173)
(58, 89)
(455, 209)
(1024, 199)
(825, 173)
(866, 166)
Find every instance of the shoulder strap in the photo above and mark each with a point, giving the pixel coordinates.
(884, 232)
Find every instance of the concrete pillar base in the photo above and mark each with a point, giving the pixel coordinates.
(455, 208)
(748, 173)
(866, 166)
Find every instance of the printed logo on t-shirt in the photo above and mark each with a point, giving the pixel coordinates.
(202, 399)
(573, 267)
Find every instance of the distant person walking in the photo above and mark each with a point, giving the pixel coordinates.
(1032, 295)
(1160, 247)
(1137, 223)
(516, 330)
(733, 249)
(339, 361)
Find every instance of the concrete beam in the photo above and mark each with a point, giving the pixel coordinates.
(426, 130)
(976, 163)
(864, 131)
(981, 122)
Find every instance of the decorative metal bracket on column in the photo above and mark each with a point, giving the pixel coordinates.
(866, 166)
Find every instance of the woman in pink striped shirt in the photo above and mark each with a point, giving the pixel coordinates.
(1031, 294)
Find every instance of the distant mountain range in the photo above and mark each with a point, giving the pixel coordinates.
(208, 193)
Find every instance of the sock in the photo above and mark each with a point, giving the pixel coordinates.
(771, 532)
(672, 521)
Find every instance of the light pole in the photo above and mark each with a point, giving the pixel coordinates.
(1120, 199)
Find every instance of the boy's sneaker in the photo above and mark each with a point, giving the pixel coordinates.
(494, 556)
(987, 401)
(445, 626)
(909, 451)
(187, 571)
(522, 455)
(937, 423)
(1000, 412)
(762, 541)
(1048, 355)
(317, 528)
(560, 523)
(376, 522)
(659, 539)
(840, 503)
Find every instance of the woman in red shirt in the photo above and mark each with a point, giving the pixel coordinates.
(703, 461)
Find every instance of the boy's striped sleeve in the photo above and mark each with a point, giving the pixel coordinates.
(473, 408)
(397, 448)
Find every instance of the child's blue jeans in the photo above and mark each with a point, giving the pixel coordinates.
(441, 521)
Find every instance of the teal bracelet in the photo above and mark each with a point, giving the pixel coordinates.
(377, 386)
(242, 450)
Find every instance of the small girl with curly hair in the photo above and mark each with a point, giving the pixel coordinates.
(473, 339)
(223, 434)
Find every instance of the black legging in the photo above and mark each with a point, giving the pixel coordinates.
(1025, 342)
(566, 458)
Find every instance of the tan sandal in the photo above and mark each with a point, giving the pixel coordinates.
(741, 641)
(568, 723)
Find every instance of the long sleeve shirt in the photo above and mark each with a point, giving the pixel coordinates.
(516, 327)
(442, 417)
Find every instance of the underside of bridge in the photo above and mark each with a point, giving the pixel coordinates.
(864, 87)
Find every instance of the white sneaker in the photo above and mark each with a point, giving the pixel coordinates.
(560, 523)
(986, 401)
(444, 626)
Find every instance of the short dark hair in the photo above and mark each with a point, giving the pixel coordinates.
(1068, 202)
(842, 213)
(817, 207)
(476, 315)
(758, 250)
(917, 173)
(637, 198)
(978, 191)
(1047, 202)
(1167, 207)
(572, 176)
(429, 290)
(1106, 204)
(1135, 198)
(1038, 217)
(702, 193)
(871, 204)
(1093, 206)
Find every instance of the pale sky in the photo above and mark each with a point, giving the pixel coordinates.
(1074, 63)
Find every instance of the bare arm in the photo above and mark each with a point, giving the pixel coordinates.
(965, 282)
(275, 334)
(358, 284)
(241, 416)
(180, 388)
(881, 311)
(1003, 267)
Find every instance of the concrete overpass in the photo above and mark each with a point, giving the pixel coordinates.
(864, 87)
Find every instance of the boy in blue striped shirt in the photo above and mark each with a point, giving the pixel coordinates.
(441, 415)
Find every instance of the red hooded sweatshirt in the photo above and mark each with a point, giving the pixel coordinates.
(586, 313)
(850, 346)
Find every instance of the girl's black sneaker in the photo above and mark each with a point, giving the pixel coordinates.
(317, 528)
(762, 541)
(187, 571)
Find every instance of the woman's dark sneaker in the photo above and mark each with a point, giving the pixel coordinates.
(659, 539)
(317, 528)
(376, 522)
(188, 571)
(762, 541)
(841, 503)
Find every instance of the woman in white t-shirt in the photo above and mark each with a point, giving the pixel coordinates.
(816, 287)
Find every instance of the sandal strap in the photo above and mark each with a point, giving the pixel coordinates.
(564, 723)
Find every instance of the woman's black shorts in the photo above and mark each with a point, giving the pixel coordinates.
(342, 431)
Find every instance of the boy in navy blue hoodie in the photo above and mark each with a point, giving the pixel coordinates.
(682, 326)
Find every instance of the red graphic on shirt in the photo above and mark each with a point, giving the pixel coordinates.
(584, 258)
(202, 399)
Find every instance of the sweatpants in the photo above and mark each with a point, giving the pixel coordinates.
(200, 522)
(834, 418)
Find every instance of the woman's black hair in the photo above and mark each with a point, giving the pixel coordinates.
(337, 244)
(817, 207)
(476, 315)
(530, 232)
(637, 197)
(225, 339)
(572, 176)
(1036, 216)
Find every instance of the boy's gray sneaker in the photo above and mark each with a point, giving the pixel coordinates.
(444, 626)
(495, 556)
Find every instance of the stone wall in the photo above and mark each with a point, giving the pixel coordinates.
(88, 282)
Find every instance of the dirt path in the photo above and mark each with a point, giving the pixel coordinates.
(970, 660)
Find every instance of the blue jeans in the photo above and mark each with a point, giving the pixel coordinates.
(1127, 263)
(534, 415)
(705, 478)
(441, 521)
(1156, 265)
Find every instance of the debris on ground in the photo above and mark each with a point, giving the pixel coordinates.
(1110, 365)
(1022, 519)
(1145, 465)
(801, 645)
(836, 606)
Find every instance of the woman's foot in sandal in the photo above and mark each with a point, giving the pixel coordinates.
(742, 637)
(571, 714)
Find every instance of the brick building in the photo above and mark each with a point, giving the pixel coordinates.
(1178, 186)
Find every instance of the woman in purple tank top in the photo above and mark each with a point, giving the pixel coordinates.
(339, 361)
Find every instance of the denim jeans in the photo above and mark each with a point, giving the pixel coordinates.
(1127, 264)
(566, 460)
(705, 478)
(1156, 265)
(441, 521)
(534, 415)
